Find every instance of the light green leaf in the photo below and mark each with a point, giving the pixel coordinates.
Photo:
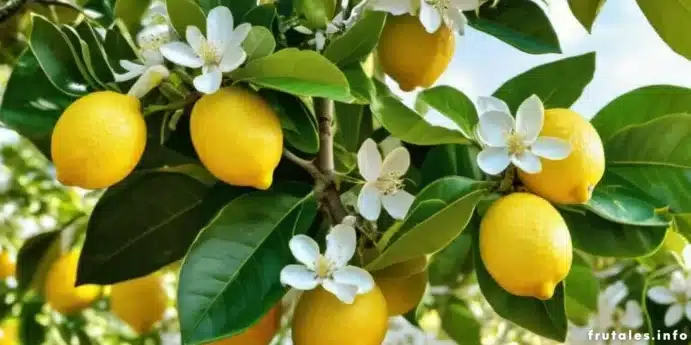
(453, 104)
(682, 224)
(298, 122)
(667, 186)
(131, 13)
(361, 86)
(459, 322)
(259, 43)
(671, 20)
(446, 265)
(581, 289)
(298, 72)
(586, 11)
(238, 7)
(624, 205)
(95, 57)
(358, 42)
(354, 125)
(183, 13)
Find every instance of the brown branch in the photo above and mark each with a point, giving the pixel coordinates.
(304, 164)
(327, 191)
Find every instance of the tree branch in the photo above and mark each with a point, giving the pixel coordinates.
(327, 191)
(304, 164)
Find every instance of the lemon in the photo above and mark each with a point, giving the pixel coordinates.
(8, 333)
(321, 318)
(7, 266)
(403, 285)
(412, 56)
(260, 334)
(140, 302)
(238, 137)
(571, 180)
(525, 245)
(98, 140)
(60, 291)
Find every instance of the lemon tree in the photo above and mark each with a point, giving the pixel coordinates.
(238, 150)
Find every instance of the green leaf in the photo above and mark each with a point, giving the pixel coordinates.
(79, 50)
(55, 56)
(453, 104)
(156, 210)
(459, 322)
(450, 160)
(259, 43)
(586, 11)
(119, 46)
(361, 86)
(263, 15)
(623, 205)
(507, 21)
(131, 13)
(581, 290)
(298, 122)
(104, 7)
(545, 318)
(183, 13)
(298, 72)
(671, 20)
(31, 257)
(242, 249)
(682, 223)
(613, 239)
(446, 265)
(238, 7)
(95, 57)
(407, 125)
(664, 184)
(439, 214)
(31, 332)
(358, 42)
(558, 84)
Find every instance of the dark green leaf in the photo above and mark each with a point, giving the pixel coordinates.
(262, 15)
(238, 7)
(671, 20)
(31, 332)
(361, 86)
(104, 7)
(259, 43)
(586, 11)
(31, 256)
(459, 322)
(118, 47)
(450, 160)
(298, 122)
(453, 104)
(95, 58)
(623, 205)
(665, 185)
(353, 125)
(79, 50)
(358, 42)
(183, 13)
(446, 265)
(131, 13)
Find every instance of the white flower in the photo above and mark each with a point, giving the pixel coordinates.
(677, 296)
(432, 13)
(220, 52)
(156, 14)
(330, 270)
(151, 71)
(384, 182)
(516, 141)
(320, 36)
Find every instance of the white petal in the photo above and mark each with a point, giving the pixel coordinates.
(674, 315)
(397, 205)
(219, 27)
(395, 7)
(349, 220)
(369, 160)
(397, 161)
(551, 148)
(465, 5)
(195, 38)
(232, 58)
(494, 128)
(128, 75)
(355, 276)
(152, 57)
(661, 295)
(299, 277)
(132, 67)
(429, 17)
(687, 310)
(369, 202)
(151, 78)
(493, 160)
(613, 295)
(454, 19)
(530, 117)
(303, 30)
(209, 82)
(331, 28)
(181, 54)
(485, 104)
(677, 283)
(319, 41)
(527, 162)
(633, 315)
(686, 255)
(344, 292)
(341, 243)
(240, 34)
(305, 250)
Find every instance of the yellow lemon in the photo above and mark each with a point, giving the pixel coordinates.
(260, 334)
(525, 245)
(571, 180)
(403, 285)
(238, 137)
(412, 56)
(321, 318)
(60, 291)
(140, 302)
(8, 333)
(98, 140)
(7, 266)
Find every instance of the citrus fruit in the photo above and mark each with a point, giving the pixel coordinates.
(7, 266)
(403, 285)
(321, 318)
(8, 333)
(317, 13)
(140, 302)
(525, 245)
(412, 56)
(237, 136)
(260, 334)
(98, 140)
(60, 291)
(570, 180)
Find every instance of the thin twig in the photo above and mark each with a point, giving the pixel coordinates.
(304, 164)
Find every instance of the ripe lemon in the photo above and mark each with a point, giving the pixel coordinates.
(8, 333)
(140, 302)
(403, 285)
(321, 318)
(260, 334)
(525, 245)
(237, 136)
(60, 292)
(98, 140)
(412, 56)
(7, 266)
(571, 180)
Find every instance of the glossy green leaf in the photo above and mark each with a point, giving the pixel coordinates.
(361, 86)
(298, 122)
(79, 50)
(31, 256)
(446, 265)
(353, 125)
(671, 20)
(238, 7)
(118, 46)
(131, 13)
(682, 223)
(358, 42)
(453, 104)
(95, 57)
(298, 72)
(262, 15)
(624, 205)
(558, 84)
(586, 11)
(581, 290)
(450, 160)
(459, 322)
(666, 185)
(242, 249)
(506, 21)
(259, 43)
(183, 13)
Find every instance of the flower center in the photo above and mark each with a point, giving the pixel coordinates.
(209, 53)
(390, 183)
(323, 267)
(441, 5)
(152, 38)
(516, 144)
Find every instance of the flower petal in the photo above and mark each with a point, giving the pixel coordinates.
(613, 295)
(551, 148)
(181, 54)
(344, 292)
(397, 162)
(397, 205)
(209, 82)
(674, 315)
(233, 57)
(152, 77)
(633, 315)
(319, 41)
(465, 5)
(687, 310)
(485, 104)
(494, 128)
(195, 38)
(355, 276)
(369, 202)
(299, 277)
(305, 250)
(395, 7)
(303, 30)
(219, 27)
(529, 118)
(677, 283)
(661, 295)
(341, 243)
(240, 34)
(493, 160)
(369, 160)
(132, 66)
(455, 19)
(152, 57)
(527, 162)
(430, 17)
